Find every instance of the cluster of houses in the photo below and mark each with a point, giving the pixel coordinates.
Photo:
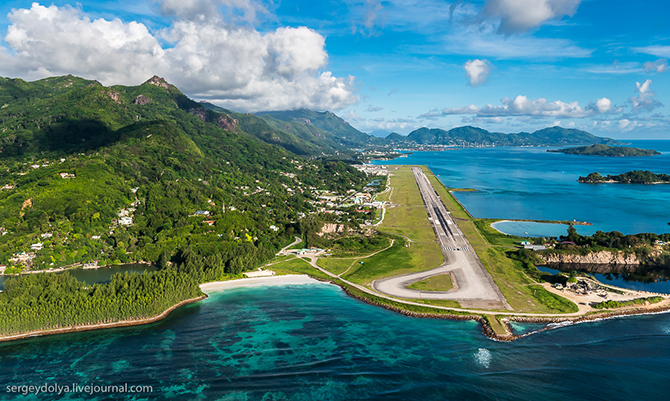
(371, 169)
(125, 216)
(24, 258)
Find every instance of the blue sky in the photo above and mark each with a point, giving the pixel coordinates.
(504, 65)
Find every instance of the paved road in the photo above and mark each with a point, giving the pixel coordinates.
(473, 285)
(284, 249)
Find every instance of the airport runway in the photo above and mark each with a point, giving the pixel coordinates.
(473, 285)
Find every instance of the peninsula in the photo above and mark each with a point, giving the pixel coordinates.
(606, 150)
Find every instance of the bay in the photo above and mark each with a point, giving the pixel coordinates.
(530, 183)
(313, 342)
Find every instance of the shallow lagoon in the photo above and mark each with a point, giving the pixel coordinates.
(313, 342)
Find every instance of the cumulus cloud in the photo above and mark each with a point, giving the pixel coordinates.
(207, 56)
(603, 106)
(54, 41)
(660, 65)
(477, 71)
(518, 16)
(644, 101)
(374, 109)
(522, 106)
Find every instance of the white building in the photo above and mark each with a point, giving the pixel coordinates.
(126, 221)
(37, 247)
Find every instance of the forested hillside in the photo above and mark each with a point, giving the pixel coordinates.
(108, 175)
(77, 158)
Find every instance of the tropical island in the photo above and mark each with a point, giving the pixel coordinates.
(94, 176)
(606, 150)
(631, 177)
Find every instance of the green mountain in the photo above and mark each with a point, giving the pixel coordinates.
(294, 136)
(336, 130)
(473, 136)
(604, 150)
(395, 137)
(143, 173)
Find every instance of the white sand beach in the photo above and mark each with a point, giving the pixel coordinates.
(257, 282)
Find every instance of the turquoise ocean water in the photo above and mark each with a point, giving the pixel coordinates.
(529, 183)
(312, 342)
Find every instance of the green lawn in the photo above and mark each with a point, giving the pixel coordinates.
(298, 266)
(335, 265)
(435, 283)
(395, 261)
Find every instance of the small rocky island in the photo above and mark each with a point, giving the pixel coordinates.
(631, 177)
(606, 150)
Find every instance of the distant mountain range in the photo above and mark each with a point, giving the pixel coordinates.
(307, 132)
(473, 136)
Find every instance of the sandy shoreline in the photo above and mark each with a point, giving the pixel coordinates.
(288, 279)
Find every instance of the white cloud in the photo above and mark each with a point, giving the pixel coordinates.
(518, 16)
(615, 68)
(522, 106)
(656, 50)
(477, 71)
(644, 101)
(208, 58)
(626, 125)
(660, 65)
(603, 106)
(48, 41)
(488, 44)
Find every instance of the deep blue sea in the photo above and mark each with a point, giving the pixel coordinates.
(313, 342)
(530, 183)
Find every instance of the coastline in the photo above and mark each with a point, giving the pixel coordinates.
(302, 279)
(207, 288)
(504, 320)
(89, 327)
(287, 279)
(559, 222)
